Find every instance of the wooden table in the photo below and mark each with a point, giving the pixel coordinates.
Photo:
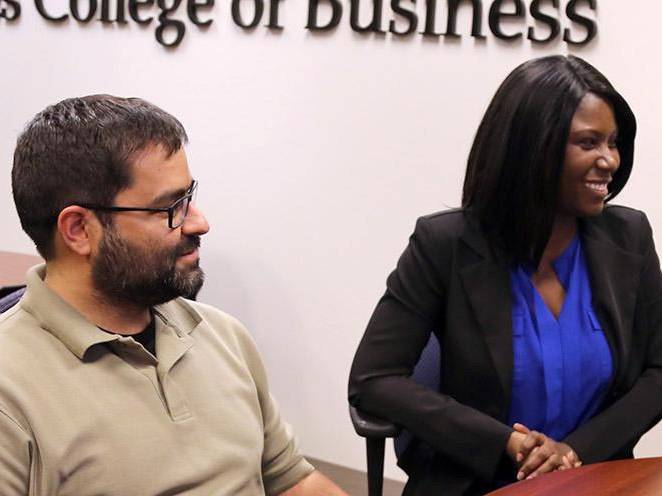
(13, 267)
(641, 477)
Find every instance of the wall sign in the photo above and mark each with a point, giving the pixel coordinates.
(397, 18)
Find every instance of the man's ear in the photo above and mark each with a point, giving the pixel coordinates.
(79, 229)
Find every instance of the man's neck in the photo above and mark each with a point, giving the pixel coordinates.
(74, 285)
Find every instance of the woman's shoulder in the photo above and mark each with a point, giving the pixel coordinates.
(449, 222)
(624, 226)
(620, 218)
(623, 213)
(442, 229)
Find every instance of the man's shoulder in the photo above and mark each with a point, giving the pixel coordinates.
(210, 319)
(227, 334)
(208, 313)
(29, 355)
(18, 325)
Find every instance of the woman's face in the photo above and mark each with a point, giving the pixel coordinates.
(591, 158)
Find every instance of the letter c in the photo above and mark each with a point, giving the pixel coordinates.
(42, 12)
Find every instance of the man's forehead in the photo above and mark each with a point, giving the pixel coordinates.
(157, 155)
(155, 172)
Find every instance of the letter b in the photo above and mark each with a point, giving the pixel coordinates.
(313, 7)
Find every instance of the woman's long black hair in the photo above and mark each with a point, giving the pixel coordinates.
(515, 164)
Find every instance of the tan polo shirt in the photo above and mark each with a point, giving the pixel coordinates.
(84, 412)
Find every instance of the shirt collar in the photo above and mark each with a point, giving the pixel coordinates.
(77, 333)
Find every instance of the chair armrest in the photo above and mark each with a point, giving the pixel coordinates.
(372, 427)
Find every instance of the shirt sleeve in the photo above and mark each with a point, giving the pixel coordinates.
(283, 466)
(15, 448)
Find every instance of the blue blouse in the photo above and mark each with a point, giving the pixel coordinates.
(561, 367)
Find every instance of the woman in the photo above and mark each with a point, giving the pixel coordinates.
(547, 303)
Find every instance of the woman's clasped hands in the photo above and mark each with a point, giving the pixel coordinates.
(535, 453)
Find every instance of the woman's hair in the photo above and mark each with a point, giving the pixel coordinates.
(512, 180)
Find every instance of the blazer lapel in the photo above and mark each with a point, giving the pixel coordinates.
(614, 275)
(487, 286)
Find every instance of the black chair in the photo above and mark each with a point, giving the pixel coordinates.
(376, 430)
(10, 296)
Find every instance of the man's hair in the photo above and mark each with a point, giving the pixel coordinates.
(512, 179)
(80, 150)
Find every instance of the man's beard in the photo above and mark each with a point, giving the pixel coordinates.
(144, 275)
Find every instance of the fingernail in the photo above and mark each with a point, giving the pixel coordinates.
(519, 457)
(520, 475)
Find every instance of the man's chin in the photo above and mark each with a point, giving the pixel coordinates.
(192, 280)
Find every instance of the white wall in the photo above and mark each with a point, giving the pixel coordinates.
(315, 155)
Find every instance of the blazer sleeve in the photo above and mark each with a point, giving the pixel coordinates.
(414, 304)
(621, 424)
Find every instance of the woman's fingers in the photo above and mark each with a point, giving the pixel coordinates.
(532, 440)
(538, 457)
(521, 428)
(573, 459)
(550, 464)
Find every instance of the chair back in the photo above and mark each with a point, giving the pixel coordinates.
(427, 373)
(11, 297)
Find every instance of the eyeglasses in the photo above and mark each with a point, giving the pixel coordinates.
(177, 212)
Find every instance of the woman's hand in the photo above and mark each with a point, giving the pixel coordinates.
(537, 453)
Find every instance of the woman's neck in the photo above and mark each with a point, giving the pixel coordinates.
(563, 232)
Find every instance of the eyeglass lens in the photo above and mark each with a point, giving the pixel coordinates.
(180, 209)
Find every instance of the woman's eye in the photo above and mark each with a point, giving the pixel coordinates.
(587, 143)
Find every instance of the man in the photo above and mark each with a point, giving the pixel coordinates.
(110, 383)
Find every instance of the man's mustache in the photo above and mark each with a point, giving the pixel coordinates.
(189, 244)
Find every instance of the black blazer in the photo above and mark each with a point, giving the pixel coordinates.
(448, 281)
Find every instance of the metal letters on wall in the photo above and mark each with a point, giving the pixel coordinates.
(403, 17)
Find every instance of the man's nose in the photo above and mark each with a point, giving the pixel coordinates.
(195, 222)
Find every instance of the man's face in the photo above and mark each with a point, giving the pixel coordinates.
(139, 259)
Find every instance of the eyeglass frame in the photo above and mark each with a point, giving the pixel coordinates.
(190, 194)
